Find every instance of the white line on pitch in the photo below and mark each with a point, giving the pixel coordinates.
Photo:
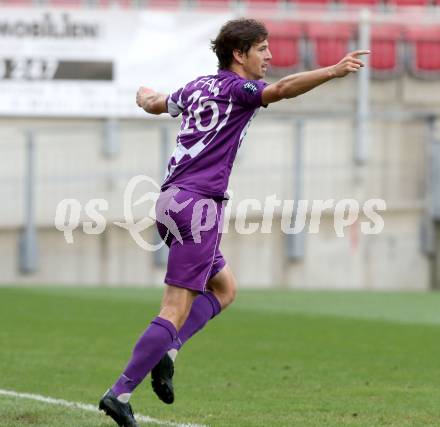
(90, 408)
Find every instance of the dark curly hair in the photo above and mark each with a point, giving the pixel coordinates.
(237, 34)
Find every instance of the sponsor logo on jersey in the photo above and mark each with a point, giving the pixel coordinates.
(250, 87)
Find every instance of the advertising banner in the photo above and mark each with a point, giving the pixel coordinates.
(89, 63)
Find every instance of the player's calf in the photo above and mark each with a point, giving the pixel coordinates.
(205, 307)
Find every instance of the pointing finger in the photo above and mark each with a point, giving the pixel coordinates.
(357, 53)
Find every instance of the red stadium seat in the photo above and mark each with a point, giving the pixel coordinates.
(409, 2)
(285, 46)
(386, 58)
(424, 45)
(311, 3)
(361, 3)
(329, 42)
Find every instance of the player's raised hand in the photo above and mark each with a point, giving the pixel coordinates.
(142, 94)
(350, 63)
(151, 101)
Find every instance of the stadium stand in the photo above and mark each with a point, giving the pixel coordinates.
(389, 5)
(297, 45)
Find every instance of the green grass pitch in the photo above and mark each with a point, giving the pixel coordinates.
(275, 358)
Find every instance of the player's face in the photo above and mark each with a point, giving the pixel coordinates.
(257, 60)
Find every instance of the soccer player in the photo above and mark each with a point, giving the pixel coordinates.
(216, 112)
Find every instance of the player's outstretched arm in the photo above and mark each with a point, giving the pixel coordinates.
(152, 102)
(297, 84)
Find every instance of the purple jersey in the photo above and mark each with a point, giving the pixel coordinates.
(216, 113)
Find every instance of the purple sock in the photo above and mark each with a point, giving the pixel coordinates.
(150, 348)
(205, 307)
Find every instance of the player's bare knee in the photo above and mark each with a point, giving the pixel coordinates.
(227, 294)
(232, 292)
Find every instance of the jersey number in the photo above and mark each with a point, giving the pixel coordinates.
(202, 106)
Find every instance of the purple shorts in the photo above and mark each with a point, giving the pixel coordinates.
(191, 225)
